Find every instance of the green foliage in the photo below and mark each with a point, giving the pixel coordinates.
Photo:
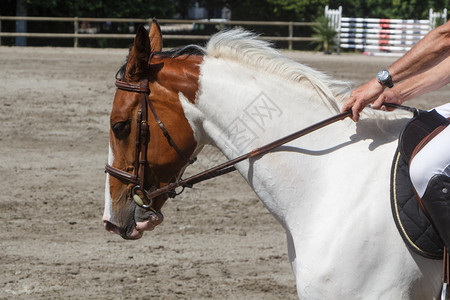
(298, 9)
(276, 10)
(251, 10)
(324, 34)
(286, 10)
(259, 10)
(101, 8)
(309, 10)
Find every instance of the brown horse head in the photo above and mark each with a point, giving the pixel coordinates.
(164, 76)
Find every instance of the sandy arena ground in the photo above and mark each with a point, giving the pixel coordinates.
(217, 241)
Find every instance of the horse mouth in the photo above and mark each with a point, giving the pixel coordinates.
(138, 222)
(135, 234)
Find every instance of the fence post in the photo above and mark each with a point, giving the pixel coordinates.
(431, 18)
(434, 17)
(75, 29)
(338, 51)
(334, 21)
(291, 34)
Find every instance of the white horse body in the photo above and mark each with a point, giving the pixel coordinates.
(342, 240)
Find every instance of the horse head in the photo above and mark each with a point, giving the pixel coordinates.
(151, 141)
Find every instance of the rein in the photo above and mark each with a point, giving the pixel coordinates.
(228, 166)
(143, 138)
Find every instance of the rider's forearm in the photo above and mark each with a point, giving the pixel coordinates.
(424, 82)
(431, 50)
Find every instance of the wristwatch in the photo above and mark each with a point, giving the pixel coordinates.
(384, 78)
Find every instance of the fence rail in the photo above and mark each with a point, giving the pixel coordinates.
(76, 35)
(381, 37)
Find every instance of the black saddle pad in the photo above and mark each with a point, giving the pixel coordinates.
(414, 227)
(417, 129)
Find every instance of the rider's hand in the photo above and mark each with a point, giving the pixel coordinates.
(363, 96)
(388, 96)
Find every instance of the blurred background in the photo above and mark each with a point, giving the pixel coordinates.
(289, 23)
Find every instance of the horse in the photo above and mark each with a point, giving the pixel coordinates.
(239, 93)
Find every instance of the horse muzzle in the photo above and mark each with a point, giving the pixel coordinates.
(147, 220)
(135, 233)
(135, 223)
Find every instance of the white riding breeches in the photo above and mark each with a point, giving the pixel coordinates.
(433, 159)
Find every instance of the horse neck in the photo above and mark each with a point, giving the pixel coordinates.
(239, 109)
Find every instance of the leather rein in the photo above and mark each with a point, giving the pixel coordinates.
(143, 138)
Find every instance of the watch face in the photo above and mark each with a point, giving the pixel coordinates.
(383, 75)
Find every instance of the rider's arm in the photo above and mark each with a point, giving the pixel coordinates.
(430, 51)
(417, 85)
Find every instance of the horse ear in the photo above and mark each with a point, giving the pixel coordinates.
(139, 55)
(155, 36)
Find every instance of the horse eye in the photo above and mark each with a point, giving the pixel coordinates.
(121, 129)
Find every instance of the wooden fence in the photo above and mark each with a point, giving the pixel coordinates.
(81, 33)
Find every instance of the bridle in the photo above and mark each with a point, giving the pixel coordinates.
(141, 144)
(143, 138)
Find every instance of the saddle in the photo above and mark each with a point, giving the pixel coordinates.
(412, 222)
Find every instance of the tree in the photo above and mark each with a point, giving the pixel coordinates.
(302, 10)
(101, 8)
(212, 5)
(281, 10)
(182, 7)
(324, 34)
(285, 10)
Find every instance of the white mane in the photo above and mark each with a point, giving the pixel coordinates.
(244, 47)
